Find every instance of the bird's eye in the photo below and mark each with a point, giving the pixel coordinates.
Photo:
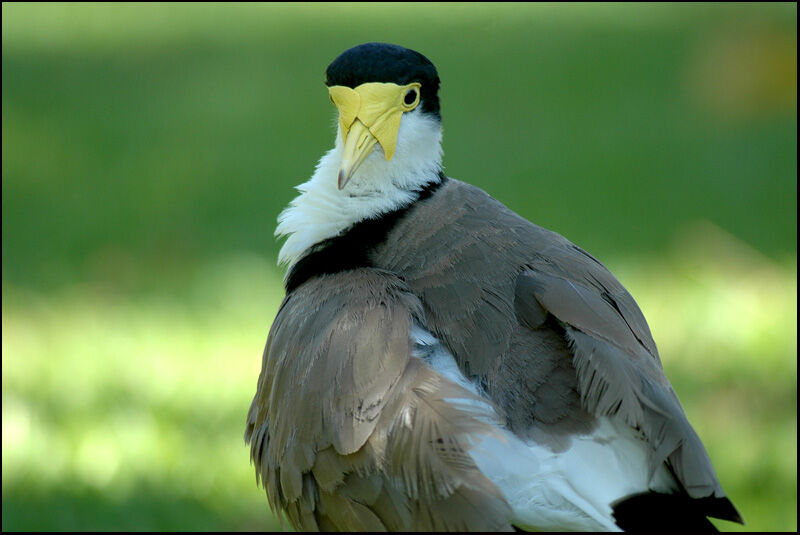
(410, 98)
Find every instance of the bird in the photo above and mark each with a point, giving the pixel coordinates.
(440, 363)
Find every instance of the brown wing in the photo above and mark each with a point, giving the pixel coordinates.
(348, 431)
(619, 376)
(542, 324)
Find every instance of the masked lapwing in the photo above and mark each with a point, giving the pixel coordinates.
(441, 363)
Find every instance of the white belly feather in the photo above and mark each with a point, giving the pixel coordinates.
(569, 490)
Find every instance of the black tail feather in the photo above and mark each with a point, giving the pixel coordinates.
(653, 511)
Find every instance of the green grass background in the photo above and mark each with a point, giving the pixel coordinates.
(147, 151)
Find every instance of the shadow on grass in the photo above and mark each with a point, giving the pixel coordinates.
(142, 508)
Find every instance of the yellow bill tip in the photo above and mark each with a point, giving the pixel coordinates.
(343, 178)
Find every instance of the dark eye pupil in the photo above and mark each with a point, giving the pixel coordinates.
(411, 96)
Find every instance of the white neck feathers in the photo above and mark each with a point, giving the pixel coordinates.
(322, 211)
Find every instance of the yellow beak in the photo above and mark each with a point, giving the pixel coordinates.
(357, 146)
(370, 114)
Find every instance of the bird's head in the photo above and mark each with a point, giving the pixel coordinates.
(388, 146)
(389, 119)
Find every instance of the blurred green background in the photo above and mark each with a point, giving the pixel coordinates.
(148, 149)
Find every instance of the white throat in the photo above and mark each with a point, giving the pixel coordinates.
(322, 211)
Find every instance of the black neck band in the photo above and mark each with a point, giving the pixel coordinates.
(350, 249)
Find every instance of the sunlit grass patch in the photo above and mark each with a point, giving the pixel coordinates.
(114, 397)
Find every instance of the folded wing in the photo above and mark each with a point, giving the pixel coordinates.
(349, 431)
(617, 364)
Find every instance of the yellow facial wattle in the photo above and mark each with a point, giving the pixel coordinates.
(370, 114)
